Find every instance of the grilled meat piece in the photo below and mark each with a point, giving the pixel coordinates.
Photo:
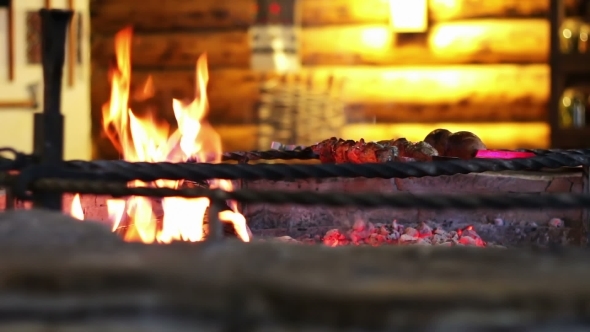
(408, 151)
(420, 151)
(387, 154)
(341, 150)
(349, 151)
(353, 155)
(370, 153)
(438, 139)
(325, 149)
(464, 145)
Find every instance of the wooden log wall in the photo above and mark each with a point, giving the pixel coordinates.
(481, 61)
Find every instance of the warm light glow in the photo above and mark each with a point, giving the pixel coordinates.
(145, 138)
(375, 38)
(503, 135)
(76, 208)
(409, 15)
(567, 33)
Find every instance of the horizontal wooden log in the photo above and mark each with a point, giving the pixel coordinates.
(108, 16)
(394, 94)
(447, 10)
(338, 12)
(499, 135)
(490, 41)
(225, 48)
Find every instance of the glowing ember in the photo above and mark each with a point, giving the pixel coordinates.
(144, 138)
(363, 233)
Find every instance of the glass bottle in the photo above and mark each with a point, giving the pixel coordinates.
(570, 35)
(572, 109)
(584, 33)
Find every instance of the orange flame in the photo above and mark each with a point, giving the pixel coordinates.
(76, 209)
(143, 138)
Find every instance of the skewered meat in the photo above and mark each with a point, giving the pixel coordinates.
(386, 154)
(341, 151)
(325, 150)
(439, 142)
(353, 154)
(464, 145)
(408, 151)
(438, 139)
(421, 151)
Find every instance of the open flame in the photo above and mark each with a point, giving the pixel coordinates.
(144, 138)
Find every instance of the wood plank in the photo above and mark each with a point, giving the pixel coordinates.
(491, 40)
(225, 48)
(395, 94)
(448, 10)
(109, 16)
(343, 12)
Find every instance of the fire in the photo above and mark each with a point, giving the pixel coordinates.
(144, 138)
(76, 210)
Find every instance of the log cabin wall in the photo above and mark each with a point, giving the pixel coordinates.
(481, 66)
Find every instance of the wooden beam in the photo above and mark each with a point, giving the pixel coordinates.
(109, 16)
(226, 48)
(343, 12)
(388, 95)
(493, 41)
(449, 10)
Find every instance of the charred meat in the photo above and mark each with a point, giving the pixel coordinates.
(341, 151)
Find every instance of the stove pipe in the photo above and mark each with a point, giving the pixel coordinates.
(49, 125)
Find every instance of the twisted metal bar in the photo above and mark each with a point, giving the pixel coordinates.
(118, 170)
(18, 161)
(305, 154)
(370, 200)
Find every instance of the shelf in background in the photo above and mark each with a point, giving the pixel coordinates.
(573, 63)
(571, 138)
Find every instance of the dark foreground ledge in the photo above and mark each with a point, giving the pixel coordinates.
(113, 286)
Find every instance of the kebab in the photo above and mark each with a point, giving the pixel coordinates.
(439, 142)
(337, 150)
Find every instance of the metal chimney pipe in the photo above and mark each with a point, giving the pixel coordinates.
(49, 125)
